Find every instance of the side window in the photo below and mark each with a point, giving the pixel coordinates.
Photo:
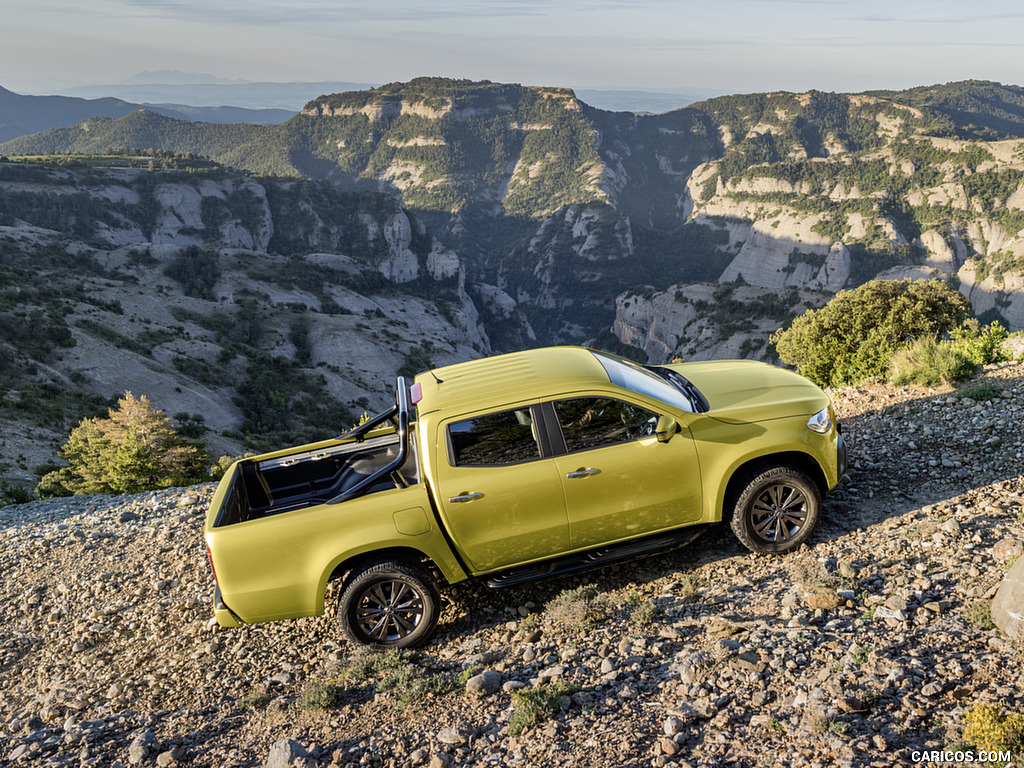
(497, 438)
(594, 422)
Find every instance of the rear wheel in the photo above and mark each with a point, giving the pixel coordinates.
(391, 604)
(777, 510)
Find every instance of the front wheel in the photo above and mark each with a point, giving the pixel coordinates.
(776, 511)
(391, 604)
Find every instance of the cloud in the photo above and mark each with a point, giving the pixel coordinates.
(958, 19)
(262, 13)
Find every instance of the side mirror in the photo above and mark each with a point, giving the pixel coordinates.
(666, 428)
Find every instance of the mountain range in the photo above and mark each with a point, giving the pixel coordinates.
(21, 115)
(274, 278)
(206, 98)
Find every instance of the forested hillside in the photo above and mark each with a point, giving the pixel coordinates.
(563, 206)
(22, 114)
(255, 312)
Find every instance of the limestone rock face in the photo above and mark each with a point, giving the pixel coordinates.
(682, 322)
(401, 264)
(1004, 293)
(1008, 606)
(793, 255)
(181, 221)
(593, 239)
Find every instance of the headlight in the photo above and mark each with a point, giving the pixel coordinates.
(821, 422)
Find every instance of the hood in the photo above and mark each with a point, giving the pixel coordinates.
(745, 391)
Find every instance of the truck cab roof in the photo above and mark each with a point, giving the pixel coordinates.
(527, 375)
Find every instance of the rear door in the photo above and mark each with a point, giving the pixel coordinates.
(619, 481)
(501, 499)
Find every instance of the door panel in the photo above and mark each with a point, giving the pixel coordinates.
(502, 503)
(620, 482)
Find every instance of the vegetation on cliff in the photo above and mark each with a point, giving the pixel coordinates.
(917, 331)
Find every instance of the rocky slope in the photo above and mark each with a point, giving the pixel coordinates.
(193, 287)
(866, 645)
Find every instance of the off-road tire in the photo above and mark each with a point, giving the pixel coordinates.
(389, 604)
(776, 511)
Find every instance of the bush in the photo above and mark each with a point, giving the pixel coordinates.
(196, 270)
(980, 393)
(320, 694)
(135, 449)
(855, 335)
(14, 494)
(578, 609)
(533, 706)
(930, 362)
(990, 730)
(982, 345)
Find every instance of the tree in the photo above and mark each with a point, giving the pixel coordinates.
(197, 270)
(135, 448)
(855, 335)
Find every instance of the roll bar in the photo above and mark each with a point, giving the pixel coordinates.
(397, 415)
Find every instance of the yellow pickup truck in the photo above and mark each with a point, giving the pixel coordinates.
(513, 468)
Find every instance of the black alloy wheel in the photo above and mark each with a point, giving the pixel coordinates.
(392, 604)
(777, 510)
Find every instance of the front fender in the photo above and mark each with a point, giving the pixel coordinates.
(725, 449)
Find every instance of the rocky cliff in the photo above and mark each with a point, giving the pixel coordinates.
(211, 292)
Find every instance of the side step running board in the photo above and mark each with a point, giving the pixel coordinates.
(595, 557)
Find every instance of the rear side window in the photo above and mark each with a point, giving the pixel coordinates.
(497, 438)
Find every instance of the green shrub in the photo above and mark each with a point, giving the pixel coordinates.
(196, 270)
(14, 494)
(645, 613)
(405, 674)
(135, 449)
(929, 362)
(982, 345)
(980, 393)
(533, 706)
(855, 335)
(319, 694)
(979, 614)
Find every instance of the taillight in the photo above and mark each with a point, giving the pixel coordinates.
(209, 555)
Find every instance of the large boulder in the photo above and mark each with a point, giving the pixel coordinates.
(288, 753)
(1008, 607)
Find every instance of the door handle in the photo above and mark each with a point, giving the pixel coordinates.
(465, 497)
(583, 473)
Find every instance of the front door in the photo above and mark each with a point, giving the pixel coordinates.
(620, 482)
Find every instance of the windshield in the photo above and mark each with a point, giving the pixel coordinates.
(645, 382)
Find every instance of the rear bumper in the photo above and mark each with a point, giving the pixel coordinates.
(222, 613)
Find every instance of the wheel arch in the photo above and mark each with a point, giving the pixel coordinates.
(741, 474)
(362, 559)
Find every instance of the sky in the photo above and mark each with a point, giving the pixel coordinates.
(731, 46)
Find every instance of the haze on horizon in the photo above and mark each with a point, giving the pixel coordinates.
(732, 46)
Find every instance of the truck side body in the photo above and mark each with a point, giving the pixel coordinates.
(507, 466)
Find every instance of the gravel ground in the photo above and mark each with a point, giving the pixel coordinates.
(868, 644)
